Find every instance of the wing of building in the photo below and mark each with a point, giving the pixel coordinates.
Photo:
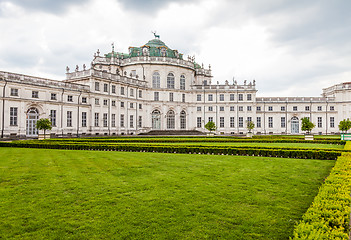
(154, 88)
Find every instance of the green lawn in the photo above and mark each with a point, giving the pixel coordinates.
(62, 194)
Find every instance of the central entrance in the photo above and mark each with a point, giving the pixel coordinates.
(31, 122)
(294, 125)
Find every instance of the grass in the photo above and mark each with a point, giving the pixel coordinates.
(62, 194)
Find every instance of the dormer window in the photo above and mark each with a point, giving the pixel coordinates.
(145, 51)
(163, 52)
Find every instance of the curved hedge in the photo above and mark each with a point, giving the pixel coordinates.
(329, 215)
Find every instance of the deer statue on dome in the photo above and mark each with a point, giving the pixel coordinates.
(156, 36)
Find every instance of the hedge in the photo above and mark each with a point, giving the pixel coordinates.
(329, 215)
(264, 152)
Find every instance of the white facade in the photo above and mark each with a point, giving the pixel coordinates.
(154, 88)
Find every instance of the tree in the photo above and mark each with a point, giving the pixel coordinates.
(250, 125)
(345, 125)
(307, 125)
(44, 124)
(211, 126)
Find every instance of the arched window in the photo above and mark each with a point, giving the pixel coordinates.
(31, 122)
(294, 125)
(170, 119)
(156, 80)
(182, 82)
(170, 80)
(182, 120)
(156, 119)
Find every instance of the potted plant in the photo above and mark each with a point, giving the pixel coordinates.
(344, 126)
(250, 125)
(43, 124)
(307, 126)
(210, 126)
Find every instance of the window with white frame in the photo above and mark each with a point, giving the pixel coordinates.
(182, 119)
(170, 80)
(122, 90)
(294, 108)
(182, 82)
(97, 101)
(249, 108)
(97, 86)
(210, 97)
(69, 118)
(69, 98)
(307, 108)
(240, 108)
(53, 117)
(122, 104)
(231, 121)
(232, 108)
(122, 120)
(131, 92)
(140, 121)
(131, 105)
(96, 120)
(241, 97)
(198, 109)
(113, 103)
(258, 108)
(156, 80)
(53, 96)
(332, 122)
(282, 122)
(140, 106)
(231, 97)
(198, 122)
(270, 108)
(35, 94)
(210, 119)
(249, 97)
(170, 119)
(14, 92)
(319, 122)
(84, 100)
(104, 119)
(183, 97)
(241, 122)
(319, 108)
(210, 108)
(113, 89)
(113, 120)
(258, 122)
(171, 97)
(221, 97)
(105, 87)
(221, 108)
(331, 108)
(282, 108)
(105, 102)
(13, 116)
(198, 97)
(156, 96)
(140, 94)
(131, 121)
(84, 119)
(221, 122)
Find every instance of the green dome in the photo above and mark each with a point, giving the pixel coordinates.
(155, 43)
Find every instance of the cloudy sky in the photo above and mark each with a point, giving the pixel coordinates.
(290, 47)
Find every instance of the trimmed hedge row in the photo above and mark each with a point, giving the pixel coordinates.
(329, 215)
(284, 153)
(177, 140)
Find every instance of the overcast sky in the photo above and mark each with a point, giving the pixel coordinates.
(291, 48)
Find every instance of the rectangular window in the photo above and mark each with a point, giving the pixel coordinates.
(140, 106)
(198, 122)
(282, 122)
(258, 122)
(249, 97)
(113, 120)
(241, 108)
(131, 105)
(14, 92)
(104, 119)
(53, 117)
(84, 119)
(332, 123)
(156, 96)
(331, 108)
(231, 97)
(113, 103)
(69, 98)
(84, 100)
(113, 89)
(122, 104)
(53, 96)
(319, 108)
(210, 119)
(210, 97)
(319, 122)
(231, 120)
(249, 108)
(210, 108)
(171, 97)
(221, 97)
(97, 86)
(132, 92)
(270, 108)
(270, 122)
(258, 108)
(140, 121)
(35, 94)
(221, 122)
(183, 97)
(198, 97)
(105, 87)
(97, 101)
(96, 120)
(140, 94)
(122, 120)
(221, 109)
(241, 122)
(69, 118)
(13, 116)
(282, 108)
(307, 108)
(131, 122)
(198, 109)
(231, 108)
(294, 108)
(122, 90)
(241, 98)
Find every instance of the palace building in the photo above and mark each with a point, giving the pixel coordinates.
(154, 88)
